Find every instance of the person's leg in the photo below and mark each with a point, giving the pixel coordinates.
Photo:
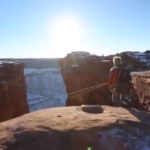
(116, 99)
(128, 97)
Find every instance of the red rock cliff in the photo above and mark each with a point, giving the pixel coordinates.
(83, 72)
(141, 81)
(13, 100)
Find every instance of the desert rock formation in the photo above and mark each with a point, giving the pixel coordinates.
(80, 71)
(141, 82)
(13, 99)
(78, 128)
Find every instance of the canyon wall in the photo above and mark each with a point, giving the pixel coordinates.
(45, 88)
(13, 99)
(83, 71)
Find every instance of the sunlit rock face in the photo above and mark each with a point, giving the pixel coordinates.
(141, 82)
(82, 70)
(45, 88)
(78, 128)
(13, 99)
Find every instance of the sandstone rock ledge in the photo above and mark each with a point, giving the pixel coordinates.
(77, 128)
(141, 82)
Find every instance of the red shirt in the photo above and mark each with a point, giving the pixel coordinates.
(113, 77)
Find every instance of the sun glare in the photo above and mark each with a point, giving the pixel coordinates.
(65, 35)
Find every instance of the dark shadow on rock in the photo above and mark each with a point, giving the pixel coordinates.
(51, 140)
(48, 139)
(143, 116)
(93, 109)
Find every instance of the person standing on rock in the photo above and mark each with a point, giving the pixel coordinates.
(119, 82)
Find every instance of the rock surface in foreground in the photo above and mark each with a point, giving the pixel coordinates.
(77, 128)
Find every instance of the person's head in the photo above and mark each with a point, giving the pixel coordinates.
(117, 61)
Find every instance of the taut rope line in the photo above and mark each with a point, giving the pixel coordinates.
(85, 90)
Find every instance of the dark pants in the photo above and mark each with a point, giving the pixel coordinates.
(117, 97)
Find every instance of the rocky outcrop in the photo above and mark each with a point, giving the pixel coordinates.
(78, 128)
(13, 100)
(141, 82)
(82, 70)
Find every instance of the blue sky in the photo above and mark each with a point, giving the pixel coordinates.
(52, 28)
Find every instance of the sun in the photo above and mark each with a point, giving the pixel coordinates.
(66, 35)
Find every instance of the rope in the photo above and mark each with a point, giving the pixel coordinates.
(85, 90)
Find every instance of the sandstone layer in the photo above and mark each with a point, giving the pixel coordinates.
(141, 82)
(78, 128)
(13, 99)
(84, 71)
